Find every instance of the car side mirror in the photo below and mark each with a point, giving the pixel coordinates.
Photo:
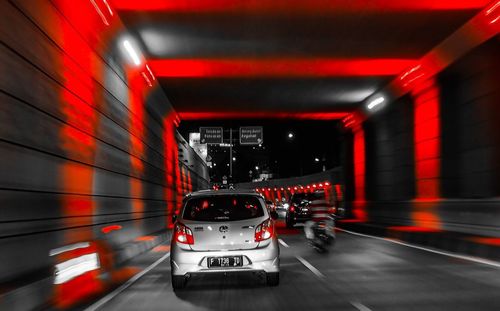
(274, 215)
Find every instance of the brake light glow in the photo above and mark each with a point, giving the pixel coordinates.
(183, 234)
(264, 231)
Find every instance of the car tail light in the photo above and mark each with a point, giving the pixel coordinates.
(264, 231)
(183, 234)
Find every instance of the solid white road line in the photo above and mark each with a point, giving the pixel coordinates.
(311, 267)
(360, 306)
(283, 243)
(444, 253)
(101, 302)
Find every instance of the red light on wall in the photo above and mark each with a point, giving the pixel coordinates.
(359, 206)
(427, 135)
(111, 228)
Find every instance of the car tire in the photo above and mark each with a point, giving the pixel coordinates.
(273, 278)
(289, 222)
(178, 282)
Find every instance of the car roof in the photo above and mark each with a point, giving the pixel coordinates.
(209, 192)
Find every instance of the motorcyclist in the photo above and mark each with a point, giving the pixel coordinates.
(321, 211)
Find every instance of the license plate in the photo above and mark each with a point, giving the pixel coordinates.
(223, 262)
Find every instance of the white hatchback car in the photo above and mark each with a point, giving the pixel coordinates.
(224, 231)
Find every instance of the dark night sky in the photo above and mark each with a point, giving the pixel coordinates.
(280, 155)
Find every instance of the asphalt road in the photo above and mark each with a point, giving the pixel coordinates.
(360, 273)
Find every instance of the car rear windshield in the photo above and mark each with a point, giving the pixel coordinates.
(299, 197)
(223, 208)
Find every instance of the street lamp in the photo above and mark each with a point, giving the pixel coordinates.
(291, 135)
(256, 168)
(322, 160)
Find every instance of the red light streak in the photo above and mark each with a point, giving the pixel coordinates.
(150, 72)
(261, 115)
(101, 14)
(108, 7)
(145, 238)
(486, 240)
(493, 9)
(111, 228)
(295, 6)
(146, 79)
(278, 67)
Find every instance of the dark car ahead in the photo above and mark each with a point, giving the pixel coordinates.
(298, 211)
(299, 206)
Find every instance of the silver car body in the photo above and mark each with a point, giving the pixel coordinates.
(224, 238)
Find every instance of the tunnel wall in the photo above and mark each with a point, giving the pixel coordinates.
(84, 142)
(441, 174)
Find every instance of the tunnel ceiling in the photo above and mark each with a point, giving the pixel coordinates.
(285, 56)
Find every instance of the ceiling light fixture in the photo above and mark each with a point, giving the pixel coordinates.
(374, 103)
(131, 52)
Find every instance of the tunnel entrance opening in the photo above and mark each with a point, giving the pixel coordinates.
(290, 148)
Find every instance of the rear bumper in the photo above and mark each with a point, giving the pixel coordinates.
(264, 259)
(301, 217)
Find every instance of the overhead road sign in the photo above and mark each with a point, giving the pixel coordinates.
(251, 135)
(211, 135)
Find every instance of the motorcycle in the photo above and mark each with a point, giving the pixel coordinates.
(323, 238)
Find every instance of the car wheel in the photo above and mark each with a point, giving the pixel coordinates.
(178, 282)
(273, 278)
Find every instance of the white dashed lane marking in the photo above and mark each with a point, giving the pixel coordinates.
(311, 267)
(283, 243)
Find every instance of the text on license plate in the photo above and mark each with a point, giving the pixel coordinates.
(233, 261)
